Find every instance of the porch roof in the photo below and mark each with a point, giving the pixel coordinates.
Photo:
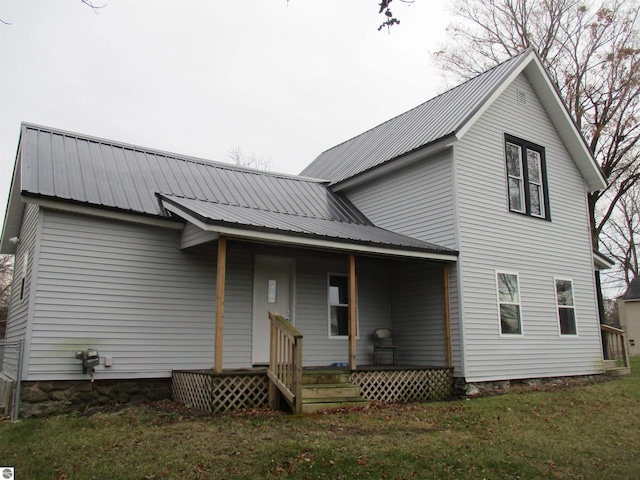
(301, 230)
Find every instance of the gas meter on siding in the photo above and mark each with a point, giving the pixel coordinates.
(90, 359)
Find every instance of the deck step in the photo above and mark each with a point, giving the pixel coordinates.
(325, 376)
(610, 364)
(617, 371)
(331, 390)
(312, 405)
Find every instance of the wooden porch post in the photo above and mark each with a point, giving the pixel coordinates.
(352, 312)
(447, 314)
(220, 280)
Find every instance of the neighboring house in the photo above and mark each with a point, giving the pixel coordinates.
(629, 310)
(462, 225)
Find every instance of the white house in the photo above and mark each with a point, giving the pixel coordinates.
(461, 225)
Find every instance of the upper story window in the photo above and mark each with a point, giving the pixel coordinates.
(526, 178)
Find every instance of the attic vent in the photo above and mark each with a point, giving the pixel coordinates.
(521, 97)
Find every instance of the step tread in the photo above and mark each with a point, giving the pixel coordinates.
(353, 399)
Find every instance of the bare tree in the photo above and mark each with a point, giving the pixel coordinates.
(621, 239)
(592, 52)
(237, 157)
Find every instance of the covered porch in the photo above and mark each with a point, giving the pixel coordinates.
(328, 327)
(294, 293)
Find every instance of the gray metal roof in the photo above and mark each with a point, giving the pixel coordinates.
(67, 166)
(438, 118)
(633, 290)
(292, 224)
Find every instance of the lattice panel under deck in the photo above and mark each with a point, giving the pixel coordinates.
(192, 389)
(404, 385)
(246, 391)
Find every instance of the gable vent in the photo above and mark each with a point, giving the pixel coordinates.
(521, 97)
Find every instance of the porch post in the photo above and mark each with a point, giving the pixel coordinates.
(352, 312)
(447, 314)
(220, 280)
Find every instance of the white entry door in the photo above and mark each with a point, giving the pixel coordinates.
(272, 290)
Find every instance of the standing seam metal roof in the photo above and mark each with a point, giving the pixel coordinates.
(68, 166)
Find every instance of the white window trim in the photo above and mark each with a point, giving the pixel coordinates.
(520, 179)
(329, 305)
(558, 307)
(498, 303)
(540, 185)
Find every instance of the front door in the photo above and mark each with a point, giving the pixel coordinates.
(272, 290)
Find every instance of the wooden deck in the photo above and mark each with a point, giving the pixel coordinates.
(249, 388)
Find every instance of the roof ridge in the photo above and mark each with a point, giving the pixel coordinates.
(450, 90)
(173, 155)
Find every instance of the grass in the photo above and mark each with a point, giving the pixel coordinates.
(589, 431)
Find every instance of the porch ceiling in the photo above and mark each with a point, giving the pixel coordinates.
(300, 230)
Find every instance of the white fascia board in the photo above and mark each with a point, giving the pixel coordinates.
(565, 125)
(246, 234)
(600, 263)
(103, 213)
(13, 214)
(394, 164)
(496, 93)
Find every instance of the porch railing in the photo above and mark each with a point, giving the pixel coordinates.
(615, 346)
(285, 363)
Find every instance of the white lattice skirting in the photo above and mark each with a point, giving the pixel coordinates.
(222, 393)
(399, 386)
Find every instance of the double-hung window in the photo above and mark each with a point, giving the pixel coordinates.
(526, 178)
(338, 305)
(566, 307)
(509, 303)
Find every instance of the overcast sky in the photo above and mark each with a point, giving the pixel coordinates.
(283, 80)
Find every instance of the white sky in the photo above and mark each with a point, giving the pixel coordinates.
(283, 80)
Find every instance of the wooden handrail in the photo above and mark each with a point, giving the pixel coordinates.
(615, 345)
(285, 363)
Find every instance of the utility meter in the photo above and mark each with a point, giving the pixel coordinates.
(90, 359)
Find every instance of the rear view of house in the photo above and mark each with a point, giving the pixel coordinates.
(460, 226)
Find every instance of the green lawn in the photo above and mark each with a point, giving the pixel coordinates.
(591, 431)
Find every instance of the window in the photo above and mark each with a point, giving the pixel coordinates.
(338, 305)
(526, 178)
(509, 303)
(566, 307)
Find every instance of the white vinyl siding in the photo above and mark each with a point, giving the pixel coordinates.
(417, 200)
(417, 312)
(492, 238)
(23, 281)
(125, 290)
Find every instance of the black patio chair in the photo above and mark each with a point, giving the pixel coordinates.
(383, 342)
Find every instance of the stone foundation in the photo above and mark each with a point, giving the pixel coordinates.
(44, 398)
(481, 389)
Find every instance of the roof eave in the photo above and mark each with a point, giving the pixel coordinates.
(15, 208)
(396, 163)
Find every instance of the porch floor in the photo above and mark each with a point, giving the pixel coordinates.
(364, 368)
